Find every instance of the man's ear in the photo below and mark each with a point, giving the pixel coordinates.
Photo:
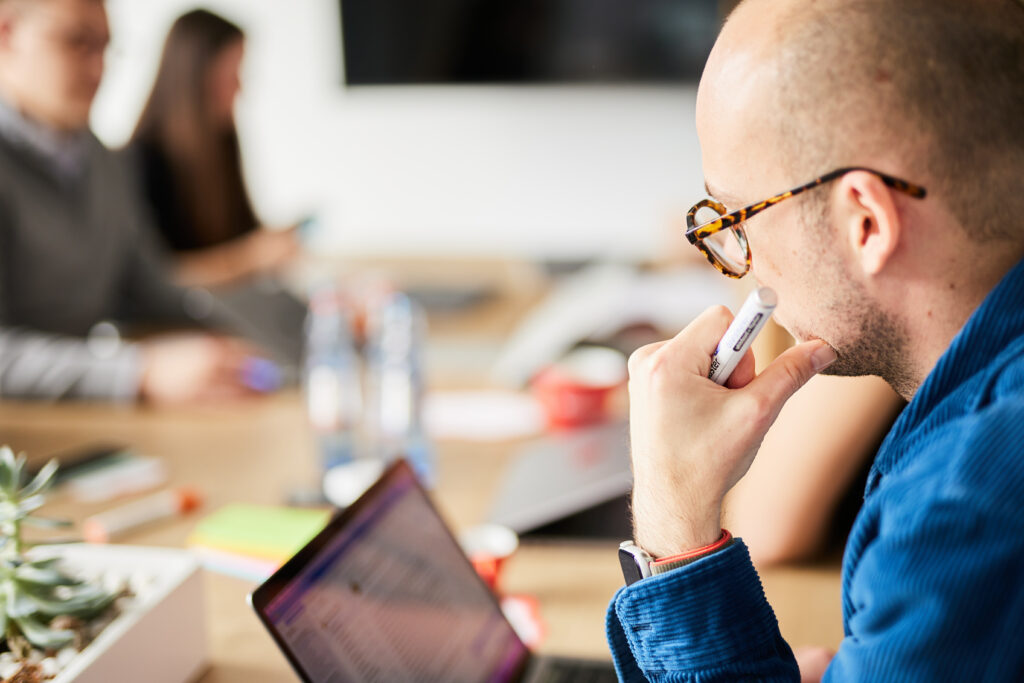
(866, 213)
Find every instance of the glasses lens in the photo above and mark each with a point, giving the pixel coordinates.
(724, 245)
(705, 215)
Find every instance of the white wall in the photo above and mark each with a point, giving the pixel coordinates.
(530, 171)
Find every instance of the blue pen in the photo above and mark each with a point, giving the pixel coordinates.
(261, 375)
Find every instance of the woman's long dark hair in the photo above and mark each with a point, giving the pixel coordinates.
(204, 158)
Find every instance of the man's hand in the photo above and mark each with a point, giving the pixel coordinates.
(193, 368)
(692, 440)
(812, 662)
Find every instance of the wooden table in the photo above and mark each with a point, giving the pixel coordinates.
(257, 452)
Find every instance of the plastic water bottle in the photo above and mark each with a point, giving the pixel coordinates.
(395, 384)
(331, 378)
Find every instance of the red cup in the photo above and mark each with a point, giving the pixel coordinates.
(574, 392)
(488, 546)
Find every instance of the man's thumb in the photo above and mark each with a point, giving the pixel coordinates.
(792, 369)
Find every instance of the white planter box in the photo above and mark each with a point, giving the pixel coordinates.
(162, 638)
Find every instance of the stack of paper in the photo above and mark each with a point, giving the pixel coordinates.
(252, 541)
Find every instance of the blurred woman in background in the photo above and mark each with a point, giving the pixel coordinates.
(187, 144)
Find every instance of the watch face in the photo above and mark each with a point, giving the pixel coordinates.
(630, 569)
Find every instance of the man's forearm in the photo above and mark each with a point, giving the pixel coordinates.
(664, 527)
(41, 366)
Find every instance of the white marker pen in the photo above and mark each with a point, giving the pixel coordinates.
(106, 526)
(741, 333)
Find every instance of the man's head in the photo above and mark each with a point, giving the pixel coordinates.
(51, 58)
(929, 91)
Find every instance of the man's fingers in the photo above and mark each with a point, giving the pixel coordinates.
(695, 345)
(692, 348)
(637, 358)
(704, 333)
(790, 371)
(237, 347)
(744, 372)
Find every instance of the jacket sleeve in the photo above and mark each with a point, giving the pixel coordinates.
(43, 366)
(708, 621)
(937, 595)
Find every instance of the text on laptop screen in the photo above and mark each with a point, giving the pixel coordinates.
(391, 598)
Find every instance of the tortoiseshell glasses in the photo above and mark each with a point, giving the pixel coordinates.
(720, 236)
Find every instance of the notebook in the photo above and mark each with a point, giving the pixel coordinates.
(384, 593)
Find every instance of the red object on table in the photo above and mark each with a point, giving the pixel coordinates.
(569, 403)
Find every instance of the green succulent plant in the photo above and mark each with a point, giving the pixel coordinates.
(33, 591)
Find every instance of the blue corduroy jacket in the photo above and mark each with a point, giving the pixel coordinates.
(933, 573)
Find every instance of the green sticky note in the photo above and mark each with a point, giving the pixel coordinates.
(263, 531)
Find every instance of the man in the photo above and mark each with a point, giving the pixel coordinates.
(904, 261)
(74, 244)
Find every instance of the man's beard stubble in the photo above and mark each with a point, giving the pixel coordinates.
(880, 344)
(878, 348)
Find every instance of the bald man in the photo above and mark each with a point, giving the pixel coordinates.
(878, 148)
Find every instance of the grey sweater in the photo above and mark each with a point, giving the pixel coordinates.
(75, 249)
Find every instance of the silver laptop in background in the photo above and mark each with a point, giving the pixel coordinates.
(562, 475)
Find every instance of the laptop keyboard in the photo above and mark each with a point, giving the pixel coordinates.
(576, 672)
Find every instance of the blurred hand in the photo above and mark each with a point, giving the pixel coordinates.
(268, 250)
(812, 662)
(183, 369)
(692, 439)
(255, 253)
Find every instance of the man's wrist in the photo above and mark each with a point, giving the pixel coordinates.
(638, 564)
(663, 533)
(667, 564)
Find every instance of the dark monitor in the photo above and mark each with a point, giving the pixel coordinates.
(527, 41)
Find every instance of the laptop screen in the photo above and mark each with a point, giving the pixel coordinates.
(385, 593)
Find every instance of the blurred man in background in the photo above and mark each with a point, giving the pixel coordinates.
(75, 246)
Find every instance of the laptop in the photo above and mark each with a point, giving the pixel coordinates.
(385, 593)
(574, 484)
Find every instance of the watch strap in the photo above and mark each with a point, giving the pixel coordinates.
(667, 564)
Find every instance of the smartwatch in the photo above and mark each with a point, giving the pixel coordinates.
(638, 564)
(635, 561)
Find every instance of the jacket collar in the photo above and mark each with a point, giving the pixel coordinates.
(62, 153)
(996, 325)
